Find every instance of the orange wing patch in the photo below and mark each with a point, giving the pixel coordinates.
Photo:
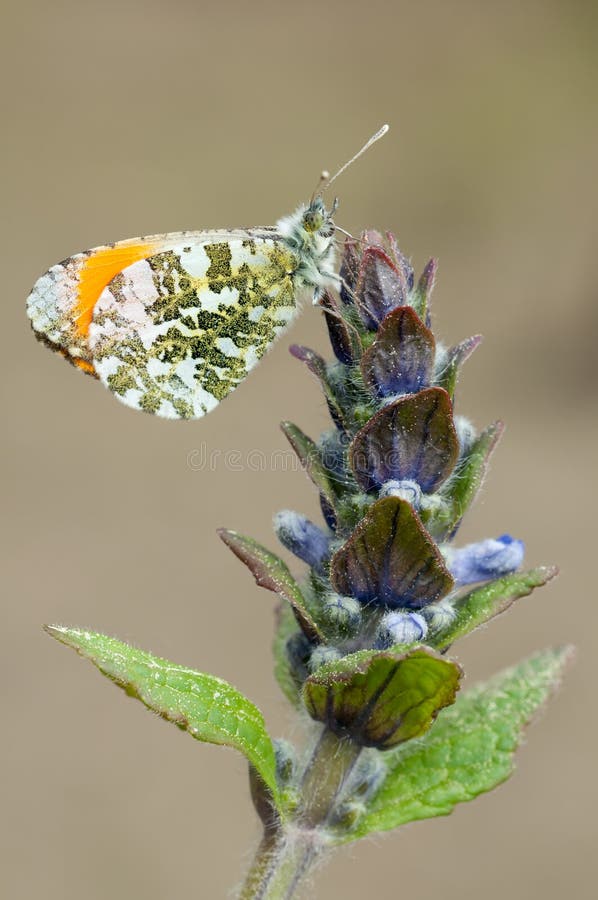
(82, 364)
(97, 271)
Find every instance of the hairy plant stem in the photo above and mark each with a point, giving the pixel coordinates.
(287, 851)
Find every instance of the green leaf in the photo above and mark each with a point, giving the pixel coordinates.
(382, 698)
(489, 600)
(209, 708)
(272, 573)
(286, 626)
(469, 750)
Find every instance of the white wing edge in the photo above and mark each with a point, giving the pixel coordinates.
(176, 238)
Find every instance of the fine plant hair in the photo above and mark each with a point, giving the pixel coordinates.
(363, 635)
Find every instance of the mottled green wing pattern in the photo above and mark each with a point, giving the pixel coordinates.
(175, 333)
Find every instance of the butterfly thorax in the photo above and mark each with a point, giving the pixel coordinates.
(309, 234)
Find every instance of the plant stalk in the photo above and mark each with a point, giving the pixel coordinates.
(286, 853)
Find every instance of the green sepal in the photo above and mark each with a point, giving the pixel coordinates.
(487, 601)
(272, 573)
(419, 298)
(456, 356)
(382, 698)
(311, 460)
(461, 489)
(469, 750)
(208, 708)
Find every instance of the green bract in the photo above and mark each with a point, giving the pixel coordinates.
(487, 601)
(382, 699)
(273, 574)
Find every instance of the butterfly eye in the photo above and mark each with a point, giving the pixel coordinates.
(313, 220)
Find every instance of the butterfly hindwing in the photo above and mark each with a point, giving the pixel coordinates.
(175, 333)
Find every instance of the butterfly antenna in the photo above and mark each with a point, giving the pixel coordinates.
(324, 177)
(346, 233)
(328, 180)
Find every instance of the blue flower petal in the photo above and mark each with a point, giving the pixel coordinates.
(400, 628)
(302, 537)
(485, 560)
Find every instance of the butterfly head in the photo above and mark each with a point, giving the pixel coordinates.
(309, 232)
(309, 235)
(317, 219)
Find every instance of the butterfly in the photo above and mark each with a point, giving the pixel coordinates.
(172, 323)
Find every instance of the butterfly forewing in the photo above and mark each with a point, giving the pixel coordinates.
(176, 332)
(172, 323)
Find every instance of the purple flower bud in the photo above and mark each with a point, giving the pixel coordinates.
(302, 538)
(406, 490)
(400, 628)
(484, 560)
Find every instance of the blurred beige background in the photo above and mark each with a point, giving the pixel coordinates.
(125, 118)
